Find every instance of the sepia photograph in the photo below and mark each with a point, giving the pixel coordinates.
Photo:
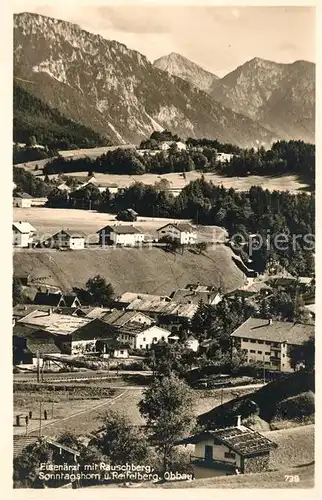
(163, 246)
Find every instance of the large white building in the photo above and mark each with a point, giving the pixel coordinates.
(182, 232)
(269, 342)
(23, 234)
(124, 235)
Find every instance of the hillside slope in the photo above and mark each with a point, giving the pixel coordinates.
(116, 91)
(279, 96)
(149, 270)
(180, 66)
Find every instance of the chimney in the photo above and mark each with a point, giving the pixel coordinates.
(238, 423)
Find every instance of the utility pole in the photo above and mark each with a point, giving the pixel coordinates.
(38, 367)
(40, 417)
(52, 404)
(264, 368)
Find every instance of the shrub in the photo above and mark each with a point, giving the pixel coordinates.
(296, 407)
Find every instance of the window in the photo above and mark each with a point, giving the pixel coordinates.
(261, 341)
(283, 355)
(268, 343)
(253, 341)
(245, 340)
(259, 352)
(144, 339)
(267, 353)
(229, 454)
(121, 352)
(253, 352)
(140, 346)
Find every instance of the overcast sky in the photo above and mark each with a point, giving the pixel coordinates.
(217, 38)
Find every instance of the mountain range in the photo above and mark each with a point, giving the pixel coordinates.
(281, 97)
(118, 94)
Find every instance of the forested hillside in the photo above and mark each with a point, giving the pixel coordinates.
(34, 118)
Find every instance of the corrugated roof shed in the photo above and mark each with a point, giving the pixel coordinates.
(242, 440)
(59, 324)
(276, 331)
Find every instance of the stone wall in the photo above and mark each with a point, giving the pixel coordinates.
(258, 463)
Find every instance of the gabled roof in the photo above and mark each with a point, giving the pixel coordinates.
(129, 297)
(121, 229)
(58, 324)
(186, 296)
(23, 227)
(137, 328)
(183, 227)
(69, 299)
(48, 299)
(275, 331)
(120, 318)
(242, 440)
(22, 195)
(69, 233)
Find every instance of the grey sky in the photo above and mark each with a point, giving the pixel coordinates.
(217, 38)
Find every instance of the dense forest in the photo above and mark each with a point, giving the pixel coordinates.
(293, 157)
(259, 211)
(33, 118)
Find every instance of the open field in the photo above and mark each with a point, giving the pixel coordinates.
(49, 220)
(177, 181)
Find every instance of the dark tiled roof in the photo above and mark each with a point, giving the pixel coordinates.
(69, 299)
(181, 226)
(42, 347)
(22, 195)
(70, 233)
(119, 318)
(277, 331)
(121, 229)
(241, 439)
(48, 299)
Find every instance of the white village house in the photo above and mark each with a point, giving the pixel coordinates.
(67, 239)
(22, 200)
(23, 234)
(183, 232)
(142, 336)
(125, 235)
(229, 451)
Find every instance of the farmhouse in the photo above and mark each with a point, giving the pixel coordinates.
(66, 239)
(166, 145)
(166, 313)
(64, 187)
(270, 341)
(29, 343)
(121, 318)
(182, 232)
(124, 235)
(23, 234)
(228, 451)
(223, 157)
(141, 336)
(193, 293)
(128, 297)
(22, 200)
